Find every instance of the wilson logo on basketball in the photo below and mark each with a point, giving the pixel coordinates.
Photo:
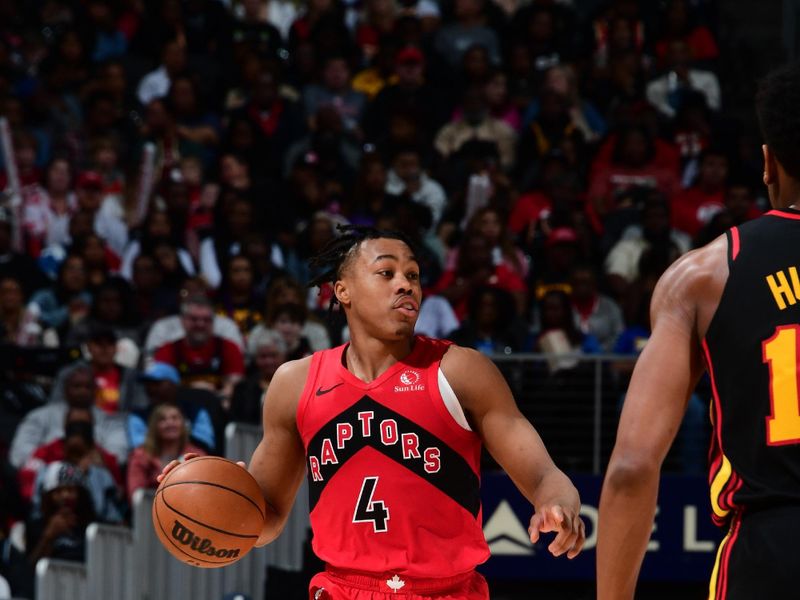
(187, 537)
(410, 380)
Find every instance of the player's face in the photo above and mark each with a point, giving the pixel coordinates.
(380, 289)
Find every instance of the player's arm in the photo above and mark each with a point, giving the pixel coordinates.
(663, 380)
(515, 445)
(278, 462)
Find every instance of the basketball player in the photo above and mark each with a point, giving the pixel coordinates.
(730, 308)
(389, 429)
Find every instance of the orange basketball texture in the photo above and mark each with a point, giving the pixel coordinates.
(208, 512)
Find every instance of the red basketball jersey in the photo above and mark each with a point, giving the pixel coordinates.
(393, 479)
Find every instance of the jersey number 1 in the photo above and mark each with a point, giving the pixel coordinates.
(369, 510)
(780, 353)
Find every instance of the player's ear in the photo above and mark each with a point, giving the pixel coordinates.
(342, 292)
(770, 166)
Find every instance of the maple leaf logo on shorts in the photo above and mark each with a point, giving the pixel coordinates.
(395, 583)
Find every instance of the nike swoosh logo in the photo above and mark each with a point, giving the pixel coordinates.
(321, 392)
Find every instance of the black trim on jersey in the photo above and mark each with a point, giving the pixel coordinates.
(455, 477)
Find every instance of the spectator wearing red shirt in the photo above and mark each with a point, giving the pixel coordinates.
(75, 424)
(203, 359)
(475, 268)
(678, 26)
(633, 164)
(694, 207)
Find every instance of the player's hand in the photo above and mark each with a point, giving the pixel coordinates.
(174, 463)
(567, 522)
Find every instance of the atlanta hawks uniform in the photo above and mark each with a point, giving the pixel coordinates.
(752, 349)
(393, 473)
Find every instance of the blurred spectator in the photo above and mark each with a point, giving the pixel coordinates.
(411, 94)
(740, 202)
(562, 81)
(216, 250)
(200, 407)
(236, 298)
(473, 269)
(66, 510)
(289, 291)
(633, 164)
(17, 265)
(335, 90)
(67, 301)
(193, 122)
(269, 350)
(694, 207)
(278, 13)
(488, 223)
(103, 485)
(288, 321)
(18, 326)
(619, 28)
(476, 124)
(561, 253)
(108, 222)
(559, 336)
(369, 197)
(408, 177)
(679, 24)
(380, 72)
(77, 447)
(275, 121)
(655, 235)
(156, 84)
(48, 209)
(98, 258)
(157, 227)
(116, 387)
(595, 313)
(491, 325)
(43, 425)
(260, 26)
(168, 329)
(468, 29)
(167, 439)
(666, 93)
(203, 359)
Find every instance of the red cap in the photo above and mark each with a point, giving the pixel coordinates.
(90, 179)
(410, 55)
(562, 235)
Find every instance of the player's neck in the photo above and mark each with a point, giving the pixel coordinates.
(367, 357)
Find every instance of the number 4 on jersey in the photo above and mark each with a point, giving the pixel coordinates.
(369, 510)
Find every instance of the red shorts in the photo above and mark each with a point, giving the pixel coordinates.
(339, 584)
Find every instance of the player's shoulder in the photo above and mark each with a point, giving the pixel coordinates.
(698, 269)
(293, 371)
(692, 286)
(464, 364)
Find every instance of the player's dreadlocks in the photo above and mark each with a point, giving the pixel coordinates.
(335, 255)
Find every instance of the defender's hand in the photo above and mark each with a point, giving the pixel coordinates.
(567, 522)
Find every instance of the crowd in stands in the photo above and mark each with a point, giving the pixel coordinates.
(175, 163)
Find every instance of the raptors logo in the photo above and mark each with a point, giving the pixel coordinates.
(410, 380)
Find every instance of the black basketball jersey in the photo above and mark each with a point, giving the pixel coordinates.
(751, 349)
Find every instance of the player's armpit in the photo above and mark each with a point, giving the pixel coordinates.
(278, 462)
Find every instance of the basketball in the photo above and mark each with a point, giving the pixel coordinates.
(208, 512)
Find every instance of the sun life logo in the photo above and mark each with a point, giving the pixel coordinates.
(410, 380)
